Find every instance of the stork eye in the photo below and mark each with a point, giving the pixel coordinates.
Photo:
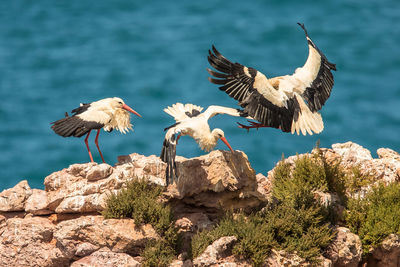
(119, 102)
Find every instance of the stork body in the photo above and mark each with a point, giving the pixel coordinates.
(190, 121)
(290, 103)
(108, 113)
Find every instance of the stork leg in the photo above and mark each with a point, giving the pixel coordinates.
(87, 146)
(253, 124)
(96, 141)
(179, 136)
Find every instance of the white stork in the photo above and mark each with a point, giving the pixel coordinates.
(108, 113)
(190, 121)
(290, 103)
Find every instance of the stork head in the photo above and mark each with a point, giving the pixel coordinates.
(118, 103)
(219, 134)
(119, 112)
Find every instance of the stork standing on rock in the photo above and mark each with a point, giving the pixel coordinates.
(290, 103)
(190, 121)
(108, 113)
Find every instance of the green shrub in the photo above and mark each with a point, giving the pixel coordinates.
(157, 254)
(295, 223)
(139, 200)
(311, 173)
(355, 180)
(281, 227)
(294, 187)
(254, 240)
(375, 216)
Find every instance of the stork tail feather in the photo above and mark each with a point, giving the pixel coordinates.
(307, 121)
(168, 154)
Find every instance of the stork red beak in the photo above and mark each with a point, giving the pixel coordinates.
(226, 143)
(126, 107)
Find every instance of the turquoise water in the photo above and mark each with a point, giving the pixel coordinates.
(56, 54)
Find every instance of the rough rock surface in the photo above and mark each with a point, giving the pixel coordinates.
(120, 235)
(219, 253)
(37, 203)
(193, 222)
(388, 253)
(14, 199)
(346, 249)
(30, 242)
(221, 180)
(61, 225)
(36, 241)
(283, 258)
(386, 168)
(106, 258)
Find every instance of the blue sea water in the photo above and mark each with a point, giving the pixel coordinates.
(57, 54)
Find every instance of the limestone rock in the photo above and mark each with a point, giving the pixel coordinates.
(106, 258)
(181, 263)
(188, 224)
(14, 199)
(386, 168)
(100, 172)
(82, 187)
(37, 203)
(221, 180)
(216, 172)
(82, 204)
(193, 222)
(352, 153)
(218, 250)
(85, 248)
(283, 258)
(29, 242)
(264, 186)
(120, 235)
(150, 167)
(346, 248)
(388, 253)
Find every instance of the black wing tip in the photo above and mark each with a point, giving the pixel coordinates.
(215, 51)
(167, 155)
(303, 27)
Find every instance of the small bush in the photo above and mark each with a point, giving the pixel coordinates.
(356, 180)
(294, 187)
(282, 227)
(139, 200)
(157, 254)
(376, 216)
(295, 223)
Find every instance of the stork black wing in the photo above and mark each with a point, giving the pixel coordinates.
(81, 109)
(168, 154)
(320, 89)
(238, 82)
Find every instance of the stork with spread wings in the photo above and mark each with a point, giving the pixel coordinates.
(191, 121)
(290, 103)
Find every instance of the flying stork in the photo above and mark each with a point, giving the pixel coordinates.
(290, 103)
(190, 121)
(108, 113)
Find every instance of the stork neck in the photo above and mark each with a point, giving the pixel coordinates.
(208, 141)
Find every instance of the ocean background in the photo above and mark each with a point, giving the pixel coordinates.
(57, 54)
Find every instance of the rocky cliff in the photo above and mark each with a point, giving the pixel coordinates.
(63, 226)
